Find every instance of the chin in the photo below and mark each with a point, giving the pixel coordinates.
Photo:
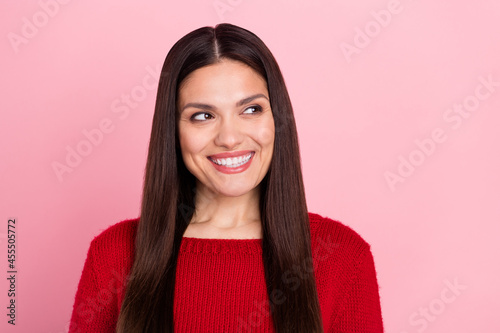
(236, 191)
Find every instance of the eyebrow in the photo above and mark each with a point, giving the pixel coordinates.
(211, 107)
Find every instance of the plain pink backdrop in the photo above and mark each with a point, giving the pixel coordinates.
(376, 88)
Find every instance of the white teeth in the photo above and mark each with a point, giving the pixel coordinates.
(233, 162)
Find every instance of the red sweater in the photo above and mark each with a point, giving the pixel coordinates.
(220, 284)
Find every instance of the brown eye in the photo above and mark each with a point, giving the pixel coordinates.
(254, 109)
(201, 116)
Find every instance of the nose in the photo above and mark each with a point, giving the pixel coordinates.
(229, 134)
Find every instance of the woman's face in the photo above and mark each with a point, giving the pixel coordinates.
(226, 127)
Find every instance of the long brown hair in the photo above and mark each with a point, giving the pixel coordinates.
(169, 191)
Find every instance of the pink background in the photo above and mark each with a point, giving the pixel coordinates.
(368, 80)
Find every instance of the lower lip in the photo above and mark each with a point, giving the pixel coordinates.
(225, 169)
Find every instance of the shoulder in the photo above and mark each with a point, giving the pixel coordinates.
(336, 237)
(114, 246)
(119, 233)
(345, 276)
(104, 277)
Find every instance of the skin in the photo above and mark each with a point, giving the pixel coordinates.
(227, 205)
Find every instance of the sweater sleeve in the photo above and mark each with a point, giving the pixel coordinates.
(94, 309)
(361, 311)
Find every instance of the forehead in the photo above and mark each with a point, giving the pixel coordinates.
(222, 81)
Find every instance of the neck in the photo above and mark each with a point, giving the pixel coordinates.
(225, 212)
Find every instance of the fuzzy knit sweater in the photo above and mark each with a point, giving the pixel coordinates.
(220, 284)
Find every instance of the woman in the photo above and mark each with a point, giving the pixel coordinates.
(224, 242)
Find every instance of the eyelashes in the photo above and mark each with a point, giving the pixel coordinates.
(257, 108)
(203, 116)
(196, 117)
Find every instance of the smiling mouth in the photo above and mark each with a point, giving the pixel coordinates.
(232, 162)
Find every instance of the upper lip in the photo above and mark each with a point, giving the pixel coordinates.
(231, 154)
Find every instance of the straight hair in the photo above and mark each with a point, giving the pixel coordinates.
(168, 200)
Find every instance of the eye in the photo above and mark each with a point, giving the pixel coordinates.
(201, 116)
(253, 109)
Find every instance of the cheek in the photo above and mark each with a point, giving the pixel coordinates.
(265, 134)
(265, 137)
(190, 144)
